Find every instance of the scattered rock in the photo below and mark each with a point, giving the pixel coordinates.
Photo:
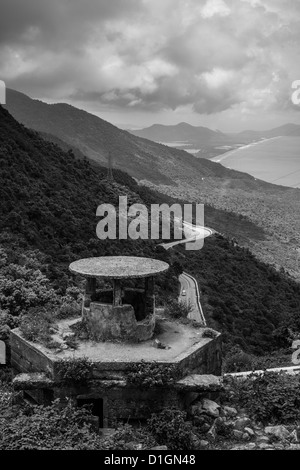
(264, 439)
(159, 448)
(229, 411)
(159, 345)
(264, 446)
(242, 423)
(211, 407)
(195, 442)
(204, 428)
(278, 446)
(249, 446)
(250, 432)
(203, 444)
(238, 434)
(67, 335)
(294, 447)
(280, 432)
(211, 434)
(294, 436)
(139, 447)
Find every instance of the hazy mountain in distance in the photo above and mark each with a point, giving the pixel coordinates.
(285, 130)
(95, 138)
(181, 132)
(202, 135)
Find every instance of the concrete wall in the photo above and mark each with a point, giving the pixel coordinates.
(26, 358)
(106, 322)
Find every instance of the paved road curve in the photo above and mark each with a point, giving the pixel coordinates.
(192, 297)
(193, 233)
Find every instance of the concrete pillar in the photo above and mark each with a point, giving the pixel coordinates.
(117, 300)
(90, 290)
(149, 295)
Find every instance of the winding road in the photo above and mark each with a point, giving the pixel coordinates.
(192, 233)
(192, 297)
(188, 283)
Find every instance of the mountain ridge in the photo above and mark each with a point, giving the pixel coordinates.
(164, 132)
(92, 136)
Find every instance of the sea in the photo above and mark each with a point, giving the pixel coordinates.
(275, 160)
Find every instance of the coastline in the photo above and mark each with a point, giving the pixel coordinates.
(219, 158)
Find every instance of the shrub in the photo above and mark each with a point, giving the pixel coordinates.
(238, 362)
(36, 324)
(176, 309)
(44, 428)
(270, 397)
(74, 370)
(9, 320)
(209, 333)
(69, 309)
(125, 435)
(152, 375)
(170, 428)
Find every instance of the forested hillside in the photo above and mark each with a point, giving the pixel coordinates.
(48, 201)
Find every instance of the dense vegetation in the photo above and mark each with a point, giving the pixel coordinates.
(269, 398)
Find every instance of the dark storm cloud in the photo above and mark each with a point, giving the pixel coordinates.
(57, 19)
(210, 55)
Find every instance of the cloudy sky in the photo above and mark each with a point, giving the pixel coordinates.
(225, 64)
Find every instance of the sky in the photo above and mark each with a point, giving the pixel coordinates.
(224, 64)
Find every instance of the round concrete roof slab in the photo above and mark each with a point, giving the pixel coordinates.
(118, 267)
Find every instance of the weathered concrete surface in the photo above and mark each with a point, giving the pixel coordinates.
(32, 381)
(188, 350)
(200, 383)
(27, 356)
(107, 322)
(118, 267)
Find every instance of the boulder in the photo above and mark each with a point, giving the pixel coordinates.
(230, 411)
(210, 407)
(280, 432)
(242, 423)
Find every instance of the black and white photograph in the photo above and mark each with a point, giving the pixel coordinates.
(150, 228)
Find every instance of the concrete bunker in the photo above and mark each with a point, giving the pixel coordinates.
(123, 319)
(119, 313)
